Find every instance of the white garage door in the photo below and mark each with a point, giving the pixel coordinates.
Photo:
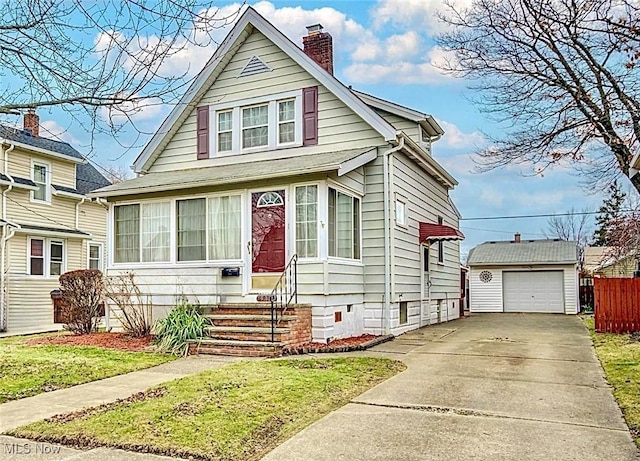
(535, 291)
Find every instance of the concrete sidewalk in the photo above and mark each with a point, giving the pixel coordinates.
(24, 411)
(490, 387)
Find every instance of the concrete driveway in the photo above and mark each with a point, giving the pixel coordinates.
(489, 387)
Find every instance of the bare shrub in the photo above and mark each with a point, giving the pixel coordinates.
(82, 292)
(134, 307)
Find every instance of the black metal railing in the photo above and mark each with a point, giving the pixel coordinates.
(285, 291)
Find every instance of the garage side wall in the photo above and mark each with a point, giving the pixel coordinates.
(487, 296)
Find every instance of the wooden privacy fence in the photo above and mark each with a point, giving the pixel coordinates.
(617, 304)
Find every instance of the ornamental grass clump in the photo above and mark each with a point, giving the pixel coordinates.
(183, 323)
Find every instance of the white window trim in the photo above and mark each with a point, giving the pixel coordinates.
(224, 131)
(100, 245)
(46, 252)
(320, 237)
(273, 123)
(47, 188)
(173, 237)
(400, 200)
(346, 191)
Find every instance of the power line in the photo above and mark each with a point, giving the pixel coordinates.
(482, 218)
(38, 214)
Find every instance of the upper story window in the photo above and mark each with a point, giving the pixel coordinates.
(225, 131)
(41, 174)
(401, 212)
(257, 124)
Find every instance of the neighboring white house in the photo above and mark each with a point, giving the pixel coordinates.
(268, 156)
(524, 276)
(49, 226)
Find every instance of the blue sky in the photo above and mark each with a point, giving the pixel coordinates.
(385, 47)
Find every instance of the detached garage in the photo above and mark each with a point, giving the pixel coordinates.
(524, 276)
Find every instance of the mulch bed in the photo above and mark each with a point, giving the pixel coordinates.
(120, 341)
(355, 343)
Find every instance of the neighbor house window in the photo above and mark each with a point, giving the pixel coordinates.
(46, 257)
(95, 256)
(225, 131)
(40, 176)
(255, 126)
(36, 257)
(225, 229)
(344, 225)
(286, 121)
(191, 220)
(440, 244)
(307, 221)
(142, 232)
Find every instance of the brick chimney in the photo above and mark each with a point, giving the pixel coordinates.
(31, 122)
(516, 238)
(318, 45)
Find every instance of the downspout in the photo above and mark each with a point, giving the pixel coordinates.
(386, 181)
(6, 235)
(78, 211)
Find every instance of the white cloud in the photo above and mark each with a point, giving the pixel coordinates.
(413, 13)
(455, 138)
(52, 129)
(136, 110)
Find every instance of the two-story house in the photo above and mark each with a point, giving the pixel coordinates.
(49, 225)
(268, 157)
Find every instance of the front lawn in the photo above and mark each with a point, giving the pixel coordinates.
(27, 370)
(238, 412)
(620, 358)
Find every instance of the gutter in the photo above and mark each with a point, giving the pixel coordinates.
(78, 211)
(386, 181)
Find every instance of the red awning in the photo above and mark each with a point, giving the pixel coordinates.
(434, 232)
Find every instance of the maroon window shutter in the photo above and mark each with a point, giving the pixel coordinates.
(310, 116)
(202, 131)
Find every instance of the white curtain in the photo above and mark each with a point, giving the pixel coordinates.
(225, 236)
(127, 230)
(192, 230)
(155, 231)
(344, 220)
(307, 221)
(255, 130)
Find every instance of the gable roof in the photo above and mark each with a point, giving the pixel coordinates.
(424, 120)
(342, 162)
(88, 178)
(249, 21)
(47, 146)
(524, 253)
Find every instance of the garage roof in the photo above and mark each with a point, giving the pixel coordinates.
(524, 252)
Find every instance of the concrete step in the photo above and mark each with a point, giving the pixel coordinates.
(235, 347)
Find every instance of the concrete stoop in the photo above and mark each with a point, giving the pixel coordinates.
(244, 329)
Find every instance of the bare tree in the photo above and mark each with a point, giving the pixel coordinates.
(572, 226)
(623, 236)
(561, 76)
(101, 58)
(116, 173)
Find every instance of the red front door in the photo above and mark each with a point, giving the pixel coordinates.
(268, 231)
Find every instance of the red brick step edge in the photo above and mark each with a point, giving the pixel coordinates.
(319, 348)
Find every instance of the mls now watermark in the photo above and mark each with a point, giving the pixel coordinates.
(29, 449)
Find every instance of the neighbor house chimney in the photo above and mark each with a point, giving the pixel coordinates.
(318, 45)
(516, 238)
(31, 122)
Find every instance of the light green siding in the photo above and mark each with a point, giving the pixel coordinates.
(339, 128)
